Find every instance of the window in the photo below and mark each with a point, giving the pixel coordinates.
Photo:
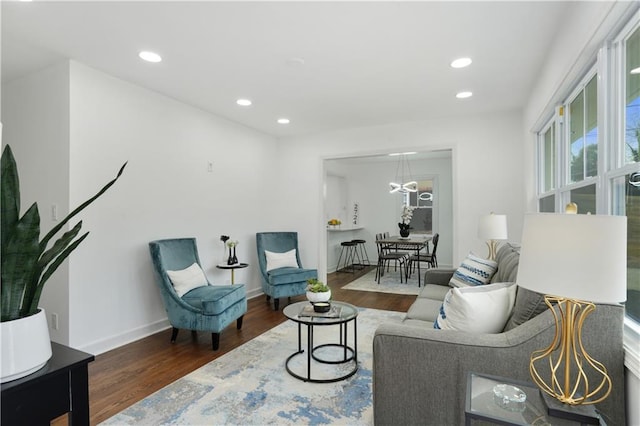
(626, 201)
(583, 133)
(632, 98)
(547, 204)
(422, 219)
(585, 198)
(549, 158)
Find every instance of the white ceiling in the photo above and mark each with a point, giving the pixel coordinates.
(365, 63)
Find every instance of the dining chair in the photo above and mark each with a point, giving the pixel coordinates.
(430, 258)
(387, 254)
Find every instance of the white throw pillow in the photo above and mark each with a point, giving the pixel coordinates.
(187, 279)
(281, 260)
(473, 271)
(481, 309)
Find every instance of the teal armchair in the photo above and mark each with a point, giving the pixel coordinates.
(205, 308)
(291, 278)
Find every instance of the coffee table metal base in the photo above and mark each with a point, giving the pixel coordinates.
(350, 354)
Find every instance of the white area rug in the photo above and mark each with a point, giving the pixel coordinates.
(390, 283)
(250, 386)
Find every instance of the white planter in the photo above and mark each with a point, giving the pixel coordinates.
(319, 297)
(26, 346)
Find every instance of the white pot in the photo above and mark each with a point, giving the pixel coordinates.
(319, 297)
(26, 346)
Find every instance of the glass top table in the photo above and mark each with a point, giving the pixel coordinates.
(330, 362)
(483, 404)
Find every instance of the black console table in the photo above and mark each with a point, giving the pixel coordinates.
(61, 386)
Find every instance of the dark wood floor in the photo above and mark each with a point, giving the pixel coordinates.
(123, 376)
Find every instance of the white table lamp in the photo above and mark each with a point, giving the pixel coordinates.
(491, 228)
(576, 261)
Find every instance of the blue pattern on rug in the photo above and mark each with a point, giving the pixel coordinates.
(250, 386)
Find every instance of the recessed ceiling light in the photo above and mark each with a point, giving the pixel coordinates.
(283, 121)
(461, 63)
(244, 102)
(150, 56)
(635, 71)
(463, 95)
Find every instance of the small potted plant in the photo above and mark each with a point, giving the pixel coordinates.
(317, 291)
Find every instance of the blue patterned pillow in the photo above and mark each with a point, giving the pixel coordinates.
(473, 271)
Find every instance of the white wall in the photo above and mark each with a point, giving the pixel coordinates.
(36, 125)
(165, 191)
(487, 176)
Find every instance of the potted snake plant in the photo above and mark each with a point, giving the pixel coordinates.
(27, 263)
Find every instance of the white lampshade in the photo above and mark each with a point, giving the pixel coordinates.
(492, 227)
(582, 257)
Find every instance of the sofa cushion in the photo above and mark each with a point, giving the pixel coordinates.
(529, 304)
(479, 309)
(473, 271)
(507, 258)
(424, 309)
(185, 280)
(434, 291)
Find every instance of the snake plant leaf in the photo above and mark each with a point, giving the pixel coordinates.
(19, 259)
(57, 248)
(10, 193)
(32, 291)
(33, 308)
(78, 209)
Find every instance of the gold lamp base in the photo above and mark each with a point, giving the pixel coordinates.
(569, 368)
(493, 249)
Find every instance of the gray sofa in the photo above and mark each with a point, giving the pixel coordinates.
(420, 373)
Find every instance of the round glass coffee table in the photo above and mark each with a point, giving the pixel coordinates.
(343, 356)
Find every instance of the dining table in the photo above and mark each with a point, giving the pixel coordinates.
(413, 244)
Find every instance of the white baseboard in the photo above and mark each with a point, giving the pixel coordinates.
(103, 345)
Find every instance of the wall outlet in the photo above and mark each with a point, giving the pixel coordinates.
(54, 321)
(210, 166)
(54, 212)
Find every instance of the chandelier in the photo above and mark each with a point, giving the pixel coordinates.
(400, 185)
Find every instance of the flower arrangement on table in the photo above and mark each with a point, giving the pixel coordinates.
(226, 240)
(407, 214)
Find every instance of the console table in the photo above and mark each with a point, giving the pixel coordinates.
(61, 386)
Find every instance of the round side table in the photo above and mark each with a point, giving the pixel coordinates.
(232, 268)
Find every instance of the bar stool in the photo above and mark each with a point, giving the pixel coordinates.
(363, 252)
(350, 254)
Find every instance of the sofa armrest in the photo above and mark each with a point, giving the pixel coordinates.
(420, 374)
(439, 276)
